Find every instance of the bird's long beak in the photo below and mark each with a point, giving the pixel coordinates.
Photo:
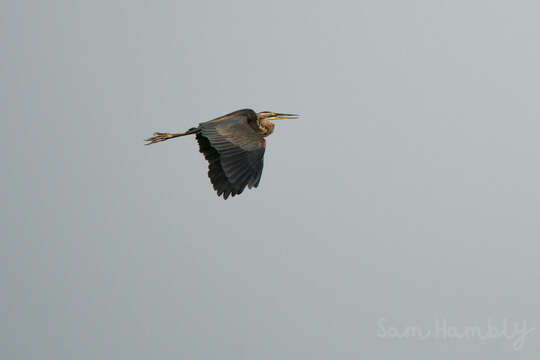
(284, 116)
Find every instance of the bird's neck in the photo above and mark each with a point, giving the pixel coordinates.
(266, 127)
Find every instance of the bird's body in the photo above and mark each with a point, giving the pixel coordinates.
(234, 146)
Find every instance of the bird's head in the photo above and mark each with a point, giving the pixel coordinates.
(266, 127)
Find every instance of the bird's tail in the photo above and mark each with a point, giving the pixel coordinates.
(166, 136)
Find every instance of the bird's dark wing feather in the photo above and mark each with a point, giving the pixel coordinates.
(234, 152)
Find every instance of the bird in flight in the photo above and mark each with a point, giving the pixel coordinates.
(234, 146)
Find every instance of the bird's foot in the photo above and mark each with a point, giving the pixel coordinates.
(158, 137)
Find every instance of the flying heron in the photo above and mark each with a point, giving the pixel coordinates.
(234, 146)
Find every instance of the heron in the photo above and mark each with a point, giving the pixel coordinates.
(234, 146)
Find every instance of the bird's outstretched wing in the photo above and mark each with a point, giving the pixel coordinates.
(234, 152)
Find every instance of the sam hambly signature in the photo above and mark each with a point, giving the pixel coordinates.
(516, 332)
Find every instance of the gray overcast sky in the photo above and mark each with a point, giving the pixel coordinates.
(407, 194)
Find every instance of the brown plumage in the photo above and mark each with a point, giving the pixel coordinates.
(234, 147)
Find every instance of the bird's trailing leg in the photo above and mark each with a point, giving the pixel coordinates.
(158, 136)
